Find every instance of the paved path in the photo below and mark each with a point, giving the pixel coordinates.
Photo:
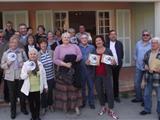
(126, 111)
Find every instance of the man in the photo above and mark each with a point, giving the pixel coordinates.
(82, 30)
(9, 31)
(142, 46)
(152, 76)
(87, 72)
(117, 50)
(23, 35)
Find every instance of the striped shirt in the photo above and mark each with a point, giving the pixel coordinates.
(47, 64)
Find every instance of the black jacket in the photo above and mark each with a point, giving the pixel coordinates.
(119, 51)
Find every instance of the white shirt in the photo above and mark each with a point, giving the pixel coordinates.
(113, 49)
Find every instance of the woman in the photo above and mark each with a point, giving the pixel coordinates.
(40, 33)
(73, 38)
(46, 58)
(103, 79)
(31, 43)
(67, 96)
(50, 39)
(11, 63)
(34, 82)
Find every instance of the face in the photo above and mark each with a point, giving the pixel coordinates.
(30, 31)
(155, 45)
(23, 30)
(32, 56)
(58, 33)
(40, 30)
(81, 29)
(9, 26)
(17, 33)
(50, 36)
(13, 44)
(113, 36)
(65, 39)
(30, 40)
(43, 46)
(84, 39)
(99, 42)
(72, 33)
(146, 36)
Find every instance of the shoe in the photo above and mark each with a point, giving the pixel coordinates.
(25, 112)
(117, 100)
(136, 101)
(144, 113)
(13, 115)
(77, 111)
(83, 105)
(43, 112)
(51, 108)
(92, 106)
(38, 118)
(112, 114)
(103, 110)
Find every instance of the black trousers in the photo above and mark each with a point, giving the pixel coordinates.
(34, 103)
(47, 98)
(115, 73)
(6, 91)
(14, 92)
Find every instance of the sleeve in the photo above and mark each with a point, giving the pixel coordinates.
(78, 52)
(122, 51)
(135, 52)
(4, 64)
(56, 57)
(44, 77)
(24, 74)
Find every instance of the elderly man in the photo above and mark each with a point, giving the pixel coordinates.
(142, 46)
(152, 76)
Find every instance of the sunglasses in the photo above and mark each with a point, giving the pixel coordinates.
(146, 35)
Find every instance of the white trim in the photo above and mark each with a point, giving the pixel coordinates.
(124, 37)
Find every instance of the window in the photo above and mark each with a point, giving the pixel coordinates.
(61, 20)
(123, 21)
(45, 18)
(16, 17)
(104, 22)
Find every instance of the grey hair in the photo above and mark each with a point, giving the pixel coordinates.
(84, 34)
(66, 34)
(33, 50)
(145, 30)
(71, 30)
(155, 39)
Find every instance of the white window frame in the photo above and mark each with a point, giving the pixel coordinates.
(44, 17)
(111, 21)
(124, 36)
(15, 25)
(67, 19)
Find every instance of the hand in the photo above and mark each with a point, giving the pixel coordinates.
(68, 65)
(113, 62)
(146, 67)
(45, 90)
(87, 62)
(9, 62)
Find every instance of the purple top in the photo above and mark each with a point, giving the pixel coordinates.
(63, 50)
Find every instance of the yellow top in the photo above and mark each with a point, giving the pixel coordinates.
(34, 82)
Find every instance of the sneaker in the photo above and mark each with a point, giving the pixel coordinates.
(117, 99)
(113, 114)
(103, 110)
(136, 101)
(77, 111)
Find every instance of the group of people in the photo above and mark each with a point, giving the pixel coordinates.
(147, 56)
(53, 70)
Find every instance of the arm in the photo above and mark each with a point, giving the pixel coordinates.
(44, 77)
(78, 53)
(24, 74)
(4, 63)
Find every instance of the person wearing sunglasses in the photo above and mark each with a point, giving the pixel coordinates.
(142, 46)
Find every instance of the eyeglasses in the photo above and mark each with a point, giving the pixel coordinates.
(145, 35)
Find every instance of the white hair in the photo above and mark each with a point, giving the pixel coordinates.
(66, 34)
(155, 39)
(33, 50)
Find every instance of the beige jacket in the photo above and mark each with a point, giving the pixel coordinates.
(10, 73)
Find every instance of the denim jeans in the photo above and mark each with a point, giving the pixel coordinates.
(137, 83)
(87, 79)
(148, 95)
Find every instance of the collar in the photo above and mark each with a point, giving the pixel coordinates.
(81, 45)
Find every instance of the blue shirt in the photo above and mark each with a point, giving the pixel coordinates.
(140, 51)
(86, 50)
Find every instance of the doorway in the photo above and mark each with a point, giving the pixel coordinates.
(86, 18)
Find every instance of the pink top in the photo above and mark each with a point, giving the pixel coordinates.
(63, 50)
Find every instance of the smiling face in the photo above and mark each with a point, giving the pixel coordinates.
(65, 38)
(13, 43)
(30, 40)
(43, 46)
(99, 42)
(146, 36)
(84, 39)
(23, 29)
(33, 55)
(113, 36)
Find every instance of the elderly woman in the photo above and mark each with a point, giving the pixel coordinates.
(34, 76)
(73, 38)
(152, 76)
(46, 58)
(67, 96)
(11, 63)
(103, 81)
